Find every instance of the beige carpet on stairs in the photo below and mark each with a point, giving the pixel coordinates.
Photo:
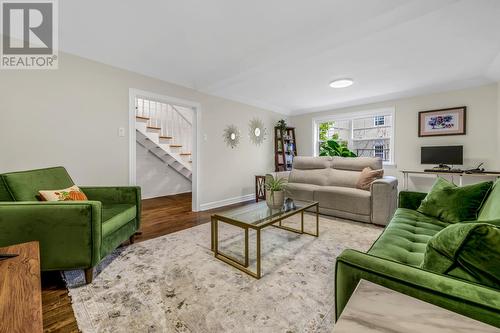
(174, 284)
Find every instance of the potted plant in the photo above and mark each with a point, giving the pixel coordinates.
(282, 126)
(275, 192)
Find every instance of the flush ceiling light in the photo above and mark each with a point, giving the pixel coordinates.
(341, 83)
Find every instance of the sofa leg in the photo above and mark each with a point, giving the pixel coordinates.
(131, 239)
(89, 275)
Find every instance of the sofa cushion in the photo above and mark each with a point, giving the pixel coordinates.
(114, 216)
(299, 191)
(453, 204)
(345, 178)
(470, 251)
(313, 176)
(308, 162)
(344, 199)
(405, 238)
(24, 185)
(356, 163)
(491, 206)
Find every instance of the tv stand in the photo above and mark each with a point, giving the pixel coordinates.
(453, 172)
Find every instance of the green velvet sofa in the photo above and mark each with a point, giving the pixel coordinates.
(394, 261)
(72, 234)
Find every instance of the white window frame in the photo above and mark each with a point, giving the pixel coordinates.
(390, 111)
(375, 121)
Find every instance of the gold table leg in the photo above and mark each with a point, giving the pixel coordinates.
(258, 254)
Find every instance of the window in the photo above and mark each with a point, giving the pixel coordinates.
(379, 151)
(379, 120)
(365, 133)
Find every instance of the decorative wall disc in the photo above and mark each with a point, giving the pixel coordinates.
(257, 131)
(232, 136)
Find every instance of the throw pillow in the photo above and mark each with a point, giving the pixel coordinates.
(367, 177)
(468, 251)
(72, 193)
(450, 203)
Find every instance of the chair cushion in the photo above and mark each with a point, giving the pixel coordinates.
(470, 251)
(24, 185)
(405, 238)
(4, 192)
(345, 199)
(299, 191)
(114, 216)
(453, 204)
(491, 206)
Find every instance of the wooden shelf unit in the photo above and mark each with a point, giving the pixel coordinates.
(285, 148)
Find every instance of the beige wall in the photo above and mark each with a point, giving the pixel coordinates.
(71, 117)
(481, 143)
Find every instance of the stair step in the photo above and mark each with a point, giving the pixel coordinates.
(166, 137)
(141, 118)
(175, 146)
(153, 128)
(190, 161)
(185, 154)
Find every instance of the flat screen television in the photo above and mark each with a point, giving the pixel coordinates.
(453, 155)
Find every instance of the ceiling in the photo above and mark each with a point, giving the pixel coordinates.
(282, 54)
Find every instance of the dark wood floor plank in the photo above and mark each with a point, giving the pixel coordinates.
(160, 216)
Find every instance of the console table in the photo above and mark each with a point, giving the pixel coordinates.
(373, 309)
(460, 175)
(20, 289)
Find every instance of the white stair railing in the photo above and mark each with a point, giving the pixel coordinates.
(172, 122)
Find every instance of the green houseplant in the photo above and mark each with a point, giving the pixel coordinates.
(335, 147)
(275, 192)
(282, 126)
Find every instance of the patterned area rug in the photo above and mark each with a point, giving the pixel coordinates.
(174, 284)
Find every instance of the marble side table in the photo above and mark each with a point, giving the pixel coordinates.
(375, 309)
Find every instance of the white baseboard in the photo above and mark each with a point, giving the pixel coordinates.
(226, 202)
(162, 195)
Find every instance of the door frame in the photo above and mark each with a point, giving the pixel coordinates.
(196, 137)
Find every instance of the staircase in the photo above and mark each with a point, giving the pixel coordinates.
(165, 130)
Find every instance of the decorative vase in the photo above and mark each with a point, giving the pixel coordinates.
(275, 199)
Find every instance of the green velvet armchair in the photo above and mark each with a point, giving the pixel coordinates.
(72, 234)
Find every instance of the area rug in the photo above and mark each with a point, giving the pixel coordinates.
(174, 284)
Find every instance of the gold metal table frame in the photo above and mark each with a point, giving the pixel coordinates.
(274, 221)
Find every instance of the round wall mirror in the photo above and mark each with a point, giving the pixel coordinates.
(231, 136)
(257, 132)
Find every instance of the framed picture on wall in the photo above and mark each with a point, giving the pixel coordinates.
(442, 122)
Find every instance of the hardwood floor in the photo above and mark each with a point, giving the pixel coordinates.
(160, 216)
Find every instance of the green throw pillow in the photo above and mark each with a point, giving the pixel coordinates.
(469, 251)
(452, 204)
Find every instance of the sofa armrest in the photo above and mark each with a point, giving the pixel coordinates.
(116, 195)
(384, 196)
(69, 232)
(470, 299)
(410, 200)
(279, 174)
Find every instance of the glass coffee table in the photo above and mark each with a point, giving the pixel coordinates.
(258, 216)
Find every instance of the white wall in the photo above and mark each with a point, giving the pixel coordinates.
(71, 117)
(481, 143)
(156, 178)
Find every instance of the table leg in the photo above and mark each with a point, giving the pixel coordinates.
(302, 221)
(216, 236)
(317, 220)
(212, 240)
(258, 253)
(246, 247)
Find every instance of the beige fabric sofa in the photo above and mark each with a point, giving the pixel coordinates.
(332, 182)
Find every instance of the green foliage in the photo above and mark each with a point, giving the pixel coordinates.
(274, 184)
(323, 130)
(282, 125)
(334, 147)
